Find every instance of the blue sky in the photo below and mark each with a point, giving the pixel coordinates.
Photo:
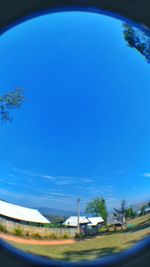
(85, 126)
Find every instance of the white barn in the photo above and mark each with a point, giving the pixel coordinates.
(17, 213)
(95, 221)
(72, 221)
(147, 210)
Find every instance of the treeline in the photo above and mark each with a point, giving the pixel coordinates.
(97, 207)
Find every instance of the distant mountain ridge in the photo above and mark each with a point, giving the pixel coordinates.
(56, 212)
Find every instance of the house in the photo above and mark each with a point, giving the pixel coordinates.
(95, 222)
(139, 212)
(72, 221)
(147, 210)
(22, 215)
(114, 221)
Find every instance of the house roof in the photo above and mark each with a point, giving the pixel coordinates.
(95, 220)
(139, 212)
(73, 221)
(147, 209)
(21, 213)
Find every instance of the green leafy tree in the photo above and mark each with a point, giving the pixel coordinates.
(120, 214)
(138, 40)
(97, 207)
(10, 101)
(130, 213)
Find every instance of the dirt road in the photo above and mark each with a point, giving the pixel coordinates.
(35, 242)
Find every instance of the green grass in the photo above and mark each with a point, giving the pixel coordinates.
(95, 247)
(88, 249)
(141, 222)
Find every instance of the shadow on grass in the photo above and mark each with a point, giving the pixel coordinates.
(78, 256)
(88, 254)
(135, 240)
(140, 226)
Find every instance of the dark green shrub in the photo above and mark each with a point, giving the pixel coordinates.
(53, 236)
(27, 233)
(79, 235)
(65, 236)
(18, 231)
(36, 236)
(3, 228)
(103, 229)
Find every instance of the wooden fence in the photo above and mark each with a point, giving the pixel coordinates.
(37, 232)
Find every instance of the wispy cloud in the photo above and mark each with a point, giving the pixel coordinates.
(4, 193)
(52, 200)
(7, 182)
(58, 180)
(71, 180)
(49, 190)
(146, 174)
(50, 193)
(32, 174)
(106, 190)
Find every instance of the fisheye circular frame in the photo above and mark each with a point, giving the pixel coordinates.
(136, 12)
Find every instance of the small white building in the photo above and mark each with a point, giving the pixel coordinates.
(72, 221)
(95, 222)
(139, 212)
(147, 210)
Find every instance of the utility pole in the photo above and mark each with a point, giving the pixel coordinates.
(78, 214)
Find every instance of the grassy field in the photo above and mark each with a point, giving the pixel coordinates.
(95, 247)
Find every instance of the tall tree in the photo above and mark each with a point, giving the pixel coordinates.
(10, 101)
(138, 40)
(97, 207)
(120, 214)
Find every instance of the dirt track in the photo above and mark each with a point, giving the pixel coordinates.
(36, 242)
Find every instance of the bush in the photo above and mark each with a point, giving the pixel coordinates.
(53, 236)
(103, 229)
(18, 231)
(65, 236)
(27, 233)
(3, 228)
(36, 236)
(79, 235)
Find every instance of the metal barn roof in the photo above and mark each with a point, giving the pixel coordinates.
(95, 220)
(147, 209)
(73, 221)
(21, 213)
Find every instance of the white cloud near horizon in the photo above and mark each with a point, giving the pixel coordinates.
(54, 190)
(146, 174)
(58, 180)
